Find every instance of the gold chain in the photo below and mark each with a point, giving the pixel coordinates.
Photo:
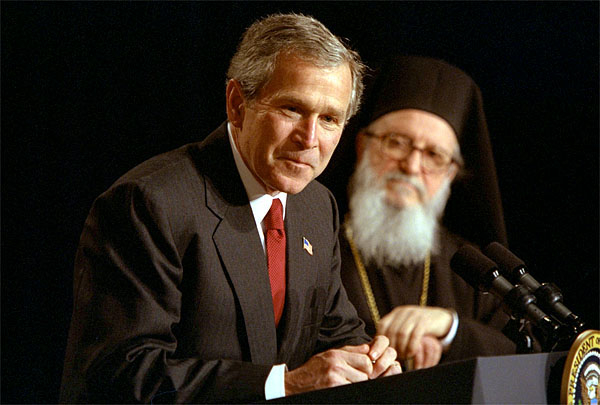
(425, 288)
(364, 279)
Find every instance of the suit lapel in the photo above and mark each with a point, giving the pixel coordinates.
(302, 273)
(238, 244)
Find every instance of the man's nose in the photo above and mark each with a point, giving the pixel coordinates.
(412, 163)
(307, 132)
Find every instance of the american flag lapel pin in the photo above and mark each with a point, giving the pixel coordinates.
(306, 245)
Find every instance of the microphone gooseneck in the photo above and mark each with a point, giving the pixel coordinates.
(483, 274)
(549, 298)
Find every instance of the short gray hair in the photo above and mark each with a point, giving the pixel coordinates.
(256, 56)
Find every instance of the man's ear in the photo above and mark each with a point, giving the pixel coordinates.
(453, 171)
(235, 103)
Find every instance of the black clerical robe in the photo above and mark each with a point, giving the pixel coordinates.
(480, 317)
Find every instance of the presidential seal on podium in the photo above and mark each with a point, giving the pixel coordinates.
(582, 370)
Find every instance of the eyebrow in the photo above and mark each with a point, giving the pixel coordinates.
(434, 148)
(292, 99)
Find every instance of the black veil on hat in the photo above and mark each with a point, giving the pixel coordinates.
(474, 210)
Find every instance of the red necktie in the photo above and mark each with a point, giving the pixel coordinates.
(275, 238)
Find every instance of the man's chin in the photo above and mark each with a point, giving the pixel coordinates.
(402, 201)
(401, 193)
(290, 184)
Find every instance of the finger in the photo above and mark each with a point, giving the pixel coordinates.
(341, 365)
(402, 333)
(386, 360)
(387, 322)
(357, 361)
(414, 341)
(353, 375)
(388, 328)
(394, 369)
(383, 326)
(419, 358)
(390, 324)
(432, 351)
(362, 349)
(378, 346)
(428, 361)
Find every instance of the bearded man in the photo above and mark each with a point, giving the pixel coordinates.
(422, 133)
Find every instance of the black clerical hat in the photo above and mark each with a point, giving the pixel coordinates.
(474, 209)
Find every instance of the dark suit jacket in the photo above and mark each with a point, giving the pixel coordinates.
(171, 293)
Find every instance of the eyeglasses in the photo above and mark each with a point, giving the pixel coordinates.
(399, 147)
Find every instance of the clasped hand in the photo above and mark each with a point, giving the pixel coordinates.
(415, 331)
(345, 365)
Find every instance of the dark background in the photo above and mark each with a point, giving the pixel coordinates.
(89, 90)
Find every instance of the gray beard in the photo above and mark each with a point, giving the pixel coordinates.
(387, 235)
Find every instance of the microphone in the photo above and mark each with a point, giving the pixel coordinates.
(549, 297)
(483, 274)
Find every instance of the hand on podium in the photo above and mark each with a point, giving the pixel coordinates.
(415, 333)
(345, 365)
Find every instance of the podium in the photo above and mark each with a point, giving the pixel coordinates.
(512, 379)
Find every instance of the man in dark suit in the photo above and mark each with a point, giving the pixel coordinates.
(174, 295)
